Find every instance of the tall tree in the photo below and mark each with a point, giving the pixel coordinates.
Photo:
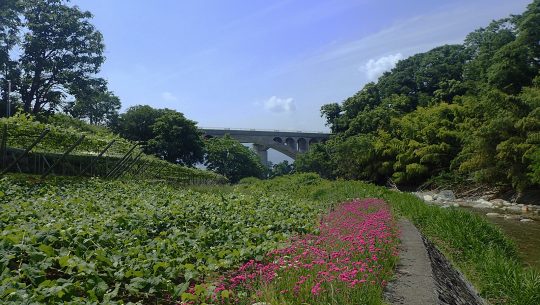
(10, 22)
(60, 51)
(9, 25)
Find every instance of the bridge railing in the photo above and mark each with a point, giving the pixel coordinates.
(270, 130)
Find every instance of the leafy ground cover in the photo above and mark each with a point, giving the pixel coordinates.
(92, 241)
(349, 261)
(480, 250)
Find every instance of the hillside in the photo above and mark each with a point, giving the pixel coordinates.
(96, 152)
(458, 112)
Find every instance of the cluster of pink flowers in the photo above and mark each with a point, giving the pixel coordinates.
(356, 247)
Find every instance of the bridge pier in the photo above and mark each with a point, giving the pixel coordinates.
(262, 152)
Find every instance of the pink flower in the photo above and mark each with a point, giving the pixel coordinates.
(316, 289)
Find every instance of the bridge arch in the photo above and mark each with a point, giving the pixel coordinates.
(291, 143)
(278, 140)
(302, 145)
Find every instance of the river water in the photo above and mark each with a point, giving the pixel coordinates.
(526, 235)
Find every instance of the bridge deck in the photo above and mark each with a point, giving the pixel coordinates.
(267, 133)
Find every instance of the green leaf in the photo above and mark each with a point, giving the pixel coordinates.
(188, 297)
(46, 249)
(225, 294)
(63, 261)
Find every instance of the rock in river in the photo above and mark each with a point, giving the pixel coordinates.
(446, 195)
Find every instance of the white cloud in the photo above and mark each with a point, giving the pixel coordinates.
(279, 105)
(376, 67)
(168, 97)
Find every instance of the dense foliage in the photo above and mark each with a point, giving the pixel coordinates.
(281, 168)
(81, 242)
(470, 109)
(166, 133)
(228, 157)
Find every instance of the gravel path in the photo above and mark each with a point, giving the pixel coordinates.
(414, 283)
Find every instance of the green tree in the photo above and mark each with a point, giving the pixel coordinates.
(136, 123)
(95, 104)
(504, 134)
(319, 159)
(228, 157)
(482, 44)
(60, 50)
(10, 22)
(176, 139)
(332, 114)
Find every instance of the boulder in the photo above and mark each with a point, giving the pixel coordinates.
(482, 200)
(514, 208)
(526, 220)
(482, 205)
(428, 198)
(455, 205)
(500, 202)
(446, 195)
(493, 214)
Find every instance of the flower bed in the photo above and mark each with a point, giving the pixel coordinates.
(348, 262)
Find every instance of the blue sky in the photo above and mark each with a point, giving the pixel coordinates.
(269, 64)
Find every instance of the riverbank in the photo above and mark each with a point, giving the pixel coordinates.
(500, 207)
(520, 222)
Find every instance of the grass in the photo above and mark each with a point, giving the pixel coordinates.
(479, 249)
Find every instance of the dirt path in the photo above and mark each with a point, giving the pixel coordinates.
(414, 283)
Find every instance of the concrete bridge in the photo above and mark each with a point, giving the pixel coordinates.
(290, 143)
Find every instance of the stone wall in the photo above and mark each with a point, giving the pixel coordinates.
(452, 287)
